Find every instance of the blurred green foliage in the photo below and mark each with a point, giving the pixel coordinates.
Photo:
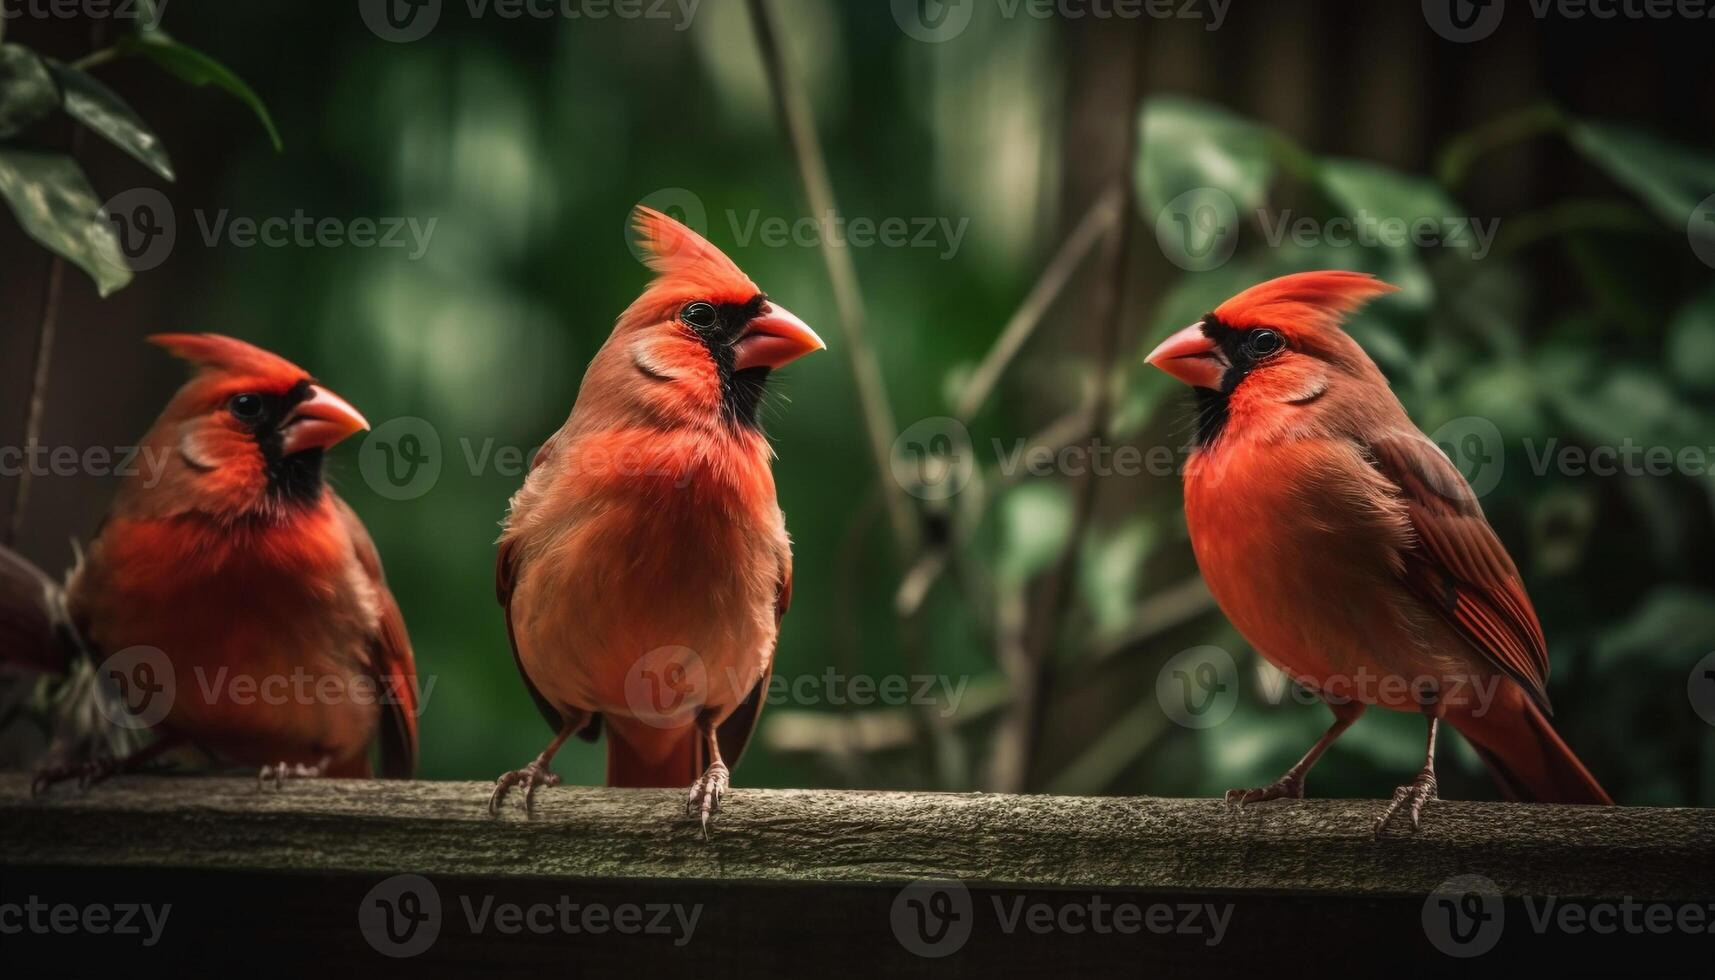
(529, 144)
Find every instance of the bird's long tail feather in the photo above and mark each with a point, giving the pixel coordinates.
(1526, 756)
(640, 756)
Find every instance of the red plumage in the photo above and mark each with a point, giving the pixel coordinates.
(1348, 549)
(645, 565)
(229, 555)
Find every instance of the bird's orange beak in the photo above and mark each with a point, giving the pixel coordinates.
(1191, 357)
(774, 339)
(319, 421)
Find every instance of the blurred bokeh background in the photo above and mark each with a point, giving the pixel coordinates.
(1054, 610)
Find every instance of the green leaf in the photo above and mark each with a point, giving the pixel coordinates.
(1184, 145)
(27, 92)
(1036, 519)
(1670, 178)
(198, 69)
(56, 206)
(1691, 343)
(98, 107)
(1111, 567)
(1673, 623)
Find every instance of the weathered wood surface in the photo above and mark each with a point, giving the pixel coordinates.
(1316, 847)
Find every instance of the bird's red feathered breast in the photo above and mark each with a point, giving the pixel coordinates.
(1303, 302)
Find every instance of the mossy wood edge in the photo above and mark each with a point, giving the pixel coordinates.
(811, 836)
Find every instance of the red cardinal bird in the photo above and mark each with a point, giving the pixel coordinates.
(258, 586)
(1348, 549)
(645, 565)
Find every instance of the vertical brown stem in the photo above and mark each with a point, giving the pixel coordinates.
(38, 403)
(38, 391)
(1017, 758)
(795, 118)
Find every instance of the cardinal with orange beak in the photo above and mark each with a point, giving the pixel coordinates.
(236, 565)
(1347, 548)
(644, 566)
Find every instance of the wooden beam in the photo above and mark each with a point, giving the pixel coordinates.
(1307, 847)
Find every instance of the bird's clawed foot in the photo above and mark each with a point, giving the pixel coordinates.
(87, 774)
(531, 776)
(706, 793)
(1408, 800)
(282, 771)
(1287, 787)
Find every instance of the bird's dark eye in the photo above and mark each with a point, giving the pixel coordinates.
(1265, 342)
(700, 316)
(246, 407)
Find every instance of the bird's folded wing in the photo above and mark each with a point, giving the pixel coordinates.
(1458, 566)
(392, 663)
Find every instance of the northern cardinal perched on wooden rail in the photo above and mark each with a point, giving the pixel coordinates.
(645, 564)
(238, 603)
(1347, 548)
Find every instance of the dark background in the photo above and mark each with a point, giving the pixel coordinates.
(1592, 322)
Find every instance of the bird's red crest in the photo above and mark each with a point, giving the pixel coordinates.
(1301, 302)
(680, 254)
(226, 355)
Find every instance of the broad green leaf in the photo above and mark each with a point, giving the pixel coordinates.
(199, 69)
(1670, 178)
(1112, 565)
(1691, 343)
(56, 206)
(1394, 208)
(1673, 623)
(1631, 405)
(27, 92)
(1036, 518)
(98, 107)
(1185, 145)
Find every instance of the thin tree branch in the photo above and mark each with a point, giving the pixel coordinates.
(1030, 313)
(795, 118)
(49, 326)
(38, 391)
(1026, 724)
